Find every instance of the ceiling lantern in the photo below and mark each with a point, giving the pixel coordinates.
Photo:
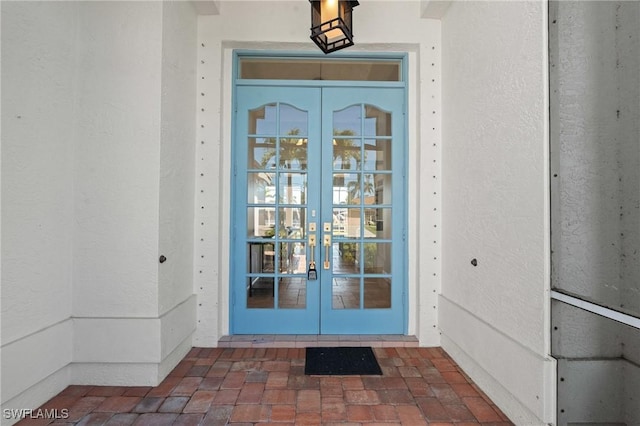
(331, 24)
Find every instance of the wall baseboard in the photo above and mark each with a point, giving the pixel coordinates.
(521, 382)
(37, 394)
(30, 361)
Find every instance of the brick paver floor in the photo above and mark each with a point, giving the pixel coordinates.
(246, 386)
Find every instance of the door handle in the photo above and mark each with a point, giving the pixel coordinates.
(312, 274)
(327, 247)
(312, 247)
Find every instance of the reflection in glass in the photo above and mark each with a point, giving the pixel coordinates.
(293, 121)
(347, 122)
(261, 152)
(292, 223)
(260, 260)
(260, 292)
(346, 258)
(377, 258)
(377, 188)
(378, 223)
(377, 293)
(369, 189)
(293, 153)
(261, 222)
(293, 188)
(347, 154)
(262, 121)
(346, 188)
(261, 257)
(292, 258)
(377, 154)
(277, 163)
(261, 188)
(345, 293)
(377, 122)
(292, 293)
(346, 222)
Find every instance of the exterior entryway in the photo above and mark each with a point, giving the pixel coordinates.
(267, 385)
(318, 219)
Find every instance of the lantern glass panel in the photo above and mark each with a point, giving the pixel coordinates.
(329, 9)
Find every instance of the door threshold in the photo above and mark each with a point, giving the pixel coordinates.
(316, 340)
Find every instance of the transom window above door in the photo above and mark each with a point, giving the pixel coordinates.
(256, 68)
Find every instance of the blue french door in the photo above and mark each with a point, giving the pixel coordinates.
(318, 211)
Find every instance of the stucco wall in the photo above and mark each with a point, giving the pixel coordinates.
(38, 123)
(117, 160)
(177, 153)
(177, 303)
(494, 316)
(134, 190)
(117, 168)
(99, 124)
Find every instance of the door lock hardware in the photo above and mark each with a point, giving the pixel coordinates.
(327, 226)
(312, 227)
(312, 273)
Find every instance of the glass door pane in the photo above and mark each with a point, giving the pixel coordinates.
(276, 138)
(359, 145)
(276, 207)
(356, 198)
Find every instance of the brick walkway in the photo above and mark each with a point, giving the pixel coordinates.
(217, 386)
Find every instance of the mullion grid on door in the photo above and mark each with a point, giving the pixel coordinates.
(361, 174)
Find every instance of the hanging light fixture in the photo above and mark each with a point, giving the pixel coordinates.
(331, 24)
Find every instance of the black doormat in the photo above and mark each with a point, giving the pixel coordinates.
(341, 361)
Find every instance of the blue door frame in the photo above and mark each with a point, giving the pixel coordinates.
(290, 183)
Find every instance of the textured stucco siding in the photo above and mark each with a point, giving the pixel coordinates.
(96, 95)
(117, 160)
(38, 124)
(495, 202)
